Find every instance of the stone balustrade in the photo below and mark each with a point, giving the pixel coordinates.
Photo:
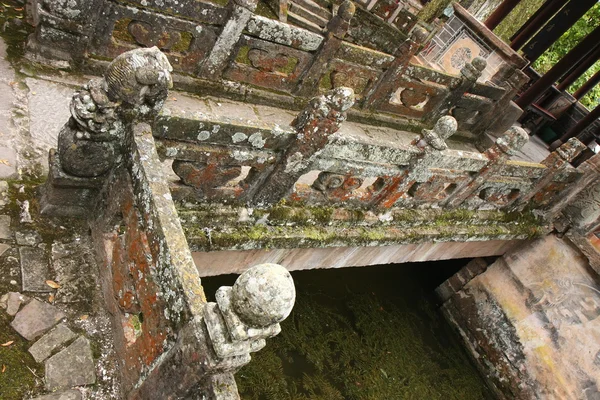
(227, 48)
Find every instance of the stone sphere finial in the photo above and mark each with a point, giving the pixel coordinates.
(479, 63)
(264, 295)
(346, 10)
(420, 34)
(341, 99)
(446, 126)
(513, 140)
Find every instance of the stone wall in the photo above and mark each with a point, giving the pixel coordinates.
(531, 321)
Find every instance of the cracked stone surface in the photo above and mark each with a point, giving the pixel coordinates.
(13, 303)
(50, 342)
(5, 227)
(34, 269)
(66, 395)
(74, 366)
(35, 319)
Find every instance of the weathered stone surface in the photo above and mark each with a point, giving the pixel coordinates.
(13, 302)
(5, 227)
(36, 318)
(34, 269)
(3, 248)
(28, 238)
(72, 394)
(73, 366)
(50, 342)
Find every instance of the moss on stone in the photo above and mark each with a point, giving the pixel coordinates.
(184, 43)
(264, 10)
(121, 31)
(242, 56)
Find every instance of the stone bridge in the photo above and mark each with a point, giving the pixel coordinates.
(305, 149)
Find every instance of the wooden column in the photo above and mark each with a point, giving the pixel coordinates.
(500, 13)
(577, 129)
(589, 85)
(580, 69)
(535, 23)
(556, 27)
(574, 56)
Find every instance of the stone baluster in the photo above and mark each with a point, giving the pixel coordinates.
(511, 80)
(506, 146)
(211, 349)
(388, 83)
(321, 118)
(241, 11)
(63, 28)
(133, 88)
(555, 163)
(335, 31)
(469, 75)
(430, 145)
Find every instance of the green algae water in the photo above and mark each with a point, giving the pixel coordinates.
(371, 333)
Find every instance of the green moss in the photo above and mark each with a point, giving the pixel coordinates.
(326, 83)
(264, 10)
(14, 35)
(361, 341)
(121, 31)
(184, 43)
(290, 67)
(432, 10)
(242, 56)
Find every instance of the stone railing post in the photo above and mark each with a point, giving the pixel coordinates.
(555, 163)
(321, 118)
(506, 146)
(469, 75)
(511, 80)
(241, 11)
(335, 31)
(431, 143)
(387, 84)
(63, 28)
(211, 349)
(92, 142)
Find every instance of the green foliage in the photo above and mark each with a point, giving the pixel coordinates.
(562, 46)
(363, 342)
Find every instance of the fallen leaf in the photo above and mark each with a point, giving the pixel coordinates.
(52, 284)
(84, 317)
(3, 368)
(5, 162)
(19, 9)
(51, 299)
(7, 343)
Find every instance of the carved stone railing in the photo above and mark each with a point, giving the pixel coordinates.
(170, 342)
(211, 47)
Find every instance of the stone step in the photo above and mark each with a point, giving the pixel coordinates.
(308, 15)
(314, 8)
(303, 23)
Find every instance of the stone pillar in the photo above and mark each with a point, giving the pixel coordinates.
(590, 176)
(211, 349)
(212, 67)
(555, 163)
(92, 142)
(335, 31)
(500, 13)
(386, 86)
(469, 75)
(505, 147)
(559, 69)
(321, 118)
(430, 145)
(511, 80)
(63, 28)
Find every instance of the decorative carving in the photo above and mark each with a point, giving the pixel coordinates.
(249, 312)
(134, 86)
(266, 61)
(436, 137)
(499, 196)
(513, 140)
(205, 177)
(153, 35)
(322, 117)
(411, 98)
(336, 185)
